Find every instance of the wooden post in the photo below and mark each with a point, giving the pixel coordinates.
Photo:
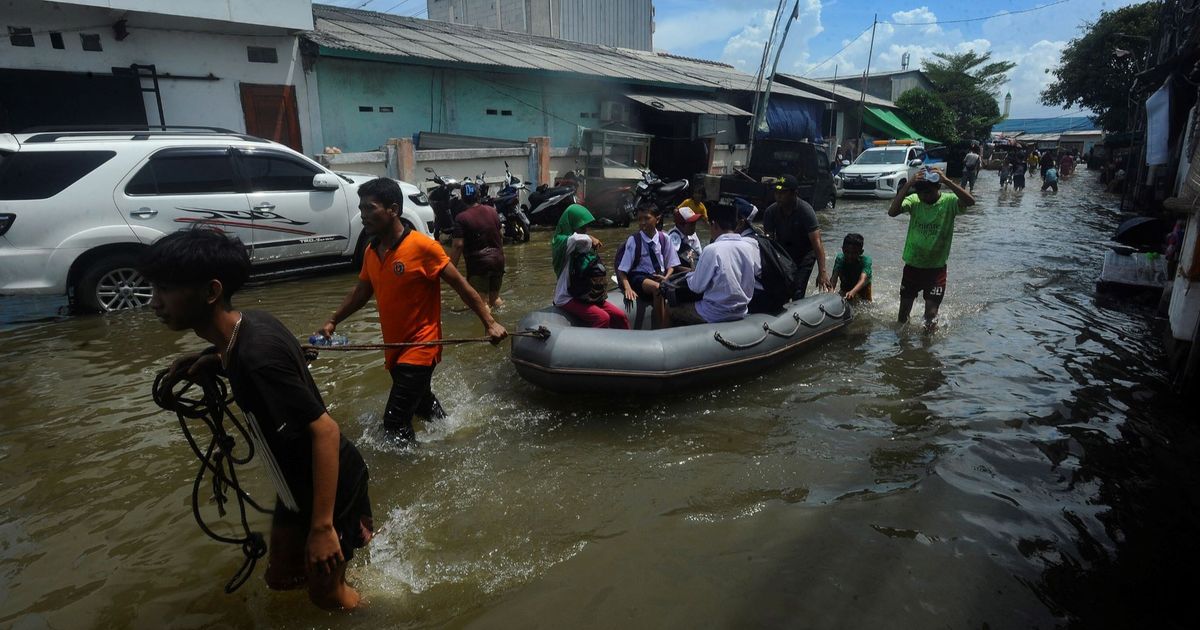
(401, 159)
(541, 145)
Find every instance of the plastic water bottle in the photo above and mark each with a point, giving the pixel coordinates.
(335, 340)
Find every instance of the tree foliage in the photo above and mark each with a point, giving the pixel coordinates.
(968, 84)
(1093, 74)
(927, 113)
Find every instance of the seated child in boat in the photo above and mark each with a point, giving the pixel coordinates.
(647, 258)
(582, 288)
(852, 269)
(683, 237)
(724, 277)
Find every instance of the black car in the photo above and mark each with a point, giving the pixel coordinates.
(808, 162)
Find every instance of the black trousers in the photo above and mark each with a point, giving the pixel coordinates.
(804, 267)
(411, 395)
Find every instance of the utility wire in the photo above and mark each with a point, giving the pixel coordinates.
(830, 57)
(978, 19)
(389, 9)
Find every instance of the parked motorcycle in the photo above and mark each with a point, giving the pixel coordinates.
(548, 203)
(446, 204)
(508, 203)
(666, 195)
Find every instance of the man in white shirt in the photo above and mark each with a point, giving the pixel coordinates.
(724, 276)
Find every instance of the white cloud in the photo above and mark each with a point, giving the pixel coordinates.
(696, 28)
(919, 15)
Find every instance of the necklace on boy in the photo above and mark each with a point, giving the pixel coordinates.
(232, 339)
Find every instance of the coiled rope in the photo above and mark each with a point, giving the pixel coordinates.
(218, 460)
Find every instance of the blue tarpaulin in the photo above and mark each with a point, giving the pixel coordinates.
(794, 119)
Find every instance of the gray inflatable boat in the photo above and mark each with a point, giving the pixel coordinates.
(578, 359)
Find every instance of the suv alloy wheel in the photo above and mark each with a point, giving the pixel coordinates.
(112, 283)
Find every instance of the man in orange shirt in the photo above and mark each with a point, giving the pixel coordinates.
(403, 270)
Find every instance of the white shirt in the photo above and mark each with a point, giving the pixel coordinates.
(646, 264)
(576, 243)
(748, 234)
(725, 276)
(676, 237)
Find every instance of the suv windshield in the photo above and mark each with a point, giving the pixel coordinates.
(884, 156)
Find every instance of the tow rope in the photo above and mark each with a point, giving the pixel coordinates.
(310, 350)
(218, 460)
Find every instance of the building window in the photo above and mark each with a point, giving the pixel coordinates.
(385, 109)
(506, 112)
(491, 112)
(262, 54)
(365, 108)
(20, 36)
(56, 41)
(91, 41)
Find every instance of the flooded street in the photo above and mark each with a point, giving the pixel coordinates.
(1022, 467)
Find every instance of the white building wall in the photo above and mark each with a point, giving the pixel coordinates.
(174, 48)
(295, 15)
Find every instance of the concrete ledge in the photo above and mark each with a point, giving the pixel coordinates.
(469, 154)
(363, 157)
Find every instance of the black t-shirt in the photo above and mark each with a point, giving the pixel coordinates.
(272, 386)
(792, 231)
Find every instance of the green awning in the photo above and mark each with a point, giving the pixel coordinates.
(890, 123)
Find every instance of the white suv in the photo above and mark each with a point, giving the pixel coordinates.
(78, 207)
(880, 171)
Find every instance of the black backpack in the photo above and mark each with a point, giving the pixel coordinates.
(778, 271)
(583, 269)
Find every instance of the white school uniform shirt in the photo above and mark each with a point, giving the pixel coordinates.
(646, 264)
(576, 243)
(748, 234)
(725, 276)
(676, 237)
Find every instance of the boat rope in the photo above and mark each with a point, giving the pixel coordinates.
(541, 332)
(218, 460)
(795, 316)
(737, 346)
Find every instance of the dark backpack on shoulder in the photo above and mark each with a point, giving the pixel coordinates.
(778, 271)
(587, 279)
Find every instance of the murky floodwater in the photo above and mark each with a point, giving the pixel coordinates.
(1021, 468)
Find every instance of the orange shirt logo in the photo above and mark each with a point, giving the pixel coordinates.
(398, 268)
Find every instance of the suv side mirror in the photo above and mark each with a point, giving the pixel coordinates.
(845, 162)
(325, 181)
(915, 162)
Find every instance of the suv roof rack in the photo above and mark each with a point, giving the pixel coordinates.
(139, 132)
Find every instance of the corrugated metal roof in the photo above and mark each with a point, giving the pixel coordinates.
(835, 90)
(338, 28)
(688, 105)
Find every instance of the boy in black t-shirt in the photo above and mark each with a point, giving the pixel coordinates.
(322, 512)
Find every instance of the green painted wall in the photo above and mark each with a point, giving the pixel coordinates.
(445, 100)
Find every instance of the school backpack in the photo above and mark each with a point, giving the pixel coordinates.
(583, 271)
(779, 275)
(663, 246)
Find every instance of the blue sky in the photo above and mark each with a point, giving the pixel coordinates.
(734, 31)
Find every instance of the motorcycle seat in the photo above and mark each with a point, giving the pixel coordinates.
(672, 188)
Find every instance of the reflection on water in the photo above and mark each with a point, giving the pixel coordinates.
(1021, 467)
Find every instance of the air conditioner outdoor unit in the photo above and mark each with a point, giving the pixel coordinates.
(614, 111)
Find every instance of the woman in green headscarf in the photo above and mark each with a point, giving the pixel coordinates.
(574, 219)
(581, 290)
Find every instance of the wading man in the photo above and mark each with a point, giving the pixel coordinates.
(793, 223)
(322, 511)
(930, 231)
(403, 270)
